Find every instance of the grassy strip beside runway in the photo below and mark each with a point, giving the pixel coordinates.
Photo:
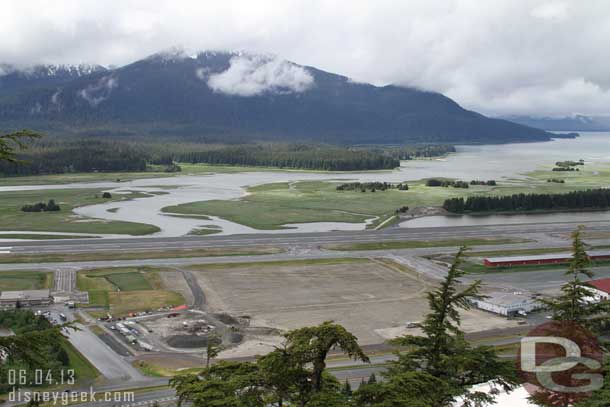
(418, 244)
(36, 236)
(25, 280)
(139, 255)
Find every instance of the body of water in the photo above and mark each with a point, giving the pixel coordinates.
(504, 161)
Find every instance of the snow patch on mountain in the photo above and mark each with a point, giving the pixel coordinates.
(100, 91)
(48, 71)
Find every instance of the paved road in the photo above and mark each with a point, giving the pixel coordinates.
(112, 366)
(198, 295)
(65, 280)
(545, 281)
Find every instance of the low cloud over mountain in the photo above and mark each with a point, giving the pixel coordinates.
(250, 75)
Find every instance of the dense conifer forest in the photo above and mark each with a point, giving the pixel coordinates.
(327, 158)
(589, 199)
(95, 154)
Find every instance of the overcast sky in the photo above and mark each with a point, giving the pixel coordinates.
(496, 56)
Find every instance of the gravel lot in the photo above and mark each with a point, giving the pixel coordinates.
(370, 299)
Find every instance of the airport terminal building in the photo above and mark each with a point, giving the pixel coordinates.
(28, 298)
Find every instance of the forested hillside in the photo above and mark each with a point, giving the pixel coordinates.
(56, 156)
(77, 156)
(300, 156)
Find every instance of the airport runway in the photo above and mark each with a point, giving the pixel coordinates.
(297, 239)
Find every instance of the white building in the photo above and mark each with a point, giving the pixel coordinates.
(600, 288)
(507, 304)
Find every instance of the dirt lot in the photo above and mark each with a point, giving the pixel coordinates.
(369, 299)
(174, 281)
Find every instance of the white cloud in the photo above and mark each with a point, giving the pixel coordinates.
(493, 56)
(251, 75)
(555, 10)
(96, 94)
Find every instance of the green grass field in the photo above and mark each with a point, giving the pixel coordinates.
(126, 289)
(25, 280)
(114, 279)
(125, 302)
(280, 263)
(414, 244)
(12, 218)
(129, 281)
(98, 298)
(527, 252)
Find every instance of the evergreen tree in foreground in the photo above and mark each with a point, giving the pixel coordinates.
(574, 303)
(293, 375)
(443, 358)
(10, 143)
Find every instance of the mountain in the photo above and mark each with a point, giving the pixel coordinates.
(234, 95)
(568, 123)
(13, 79)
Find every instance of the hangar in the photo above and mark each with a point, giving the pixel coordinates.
(549, 258)
(507, 303)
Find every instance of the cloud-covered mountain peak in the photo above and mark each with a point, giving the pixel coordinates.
(240, 94)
